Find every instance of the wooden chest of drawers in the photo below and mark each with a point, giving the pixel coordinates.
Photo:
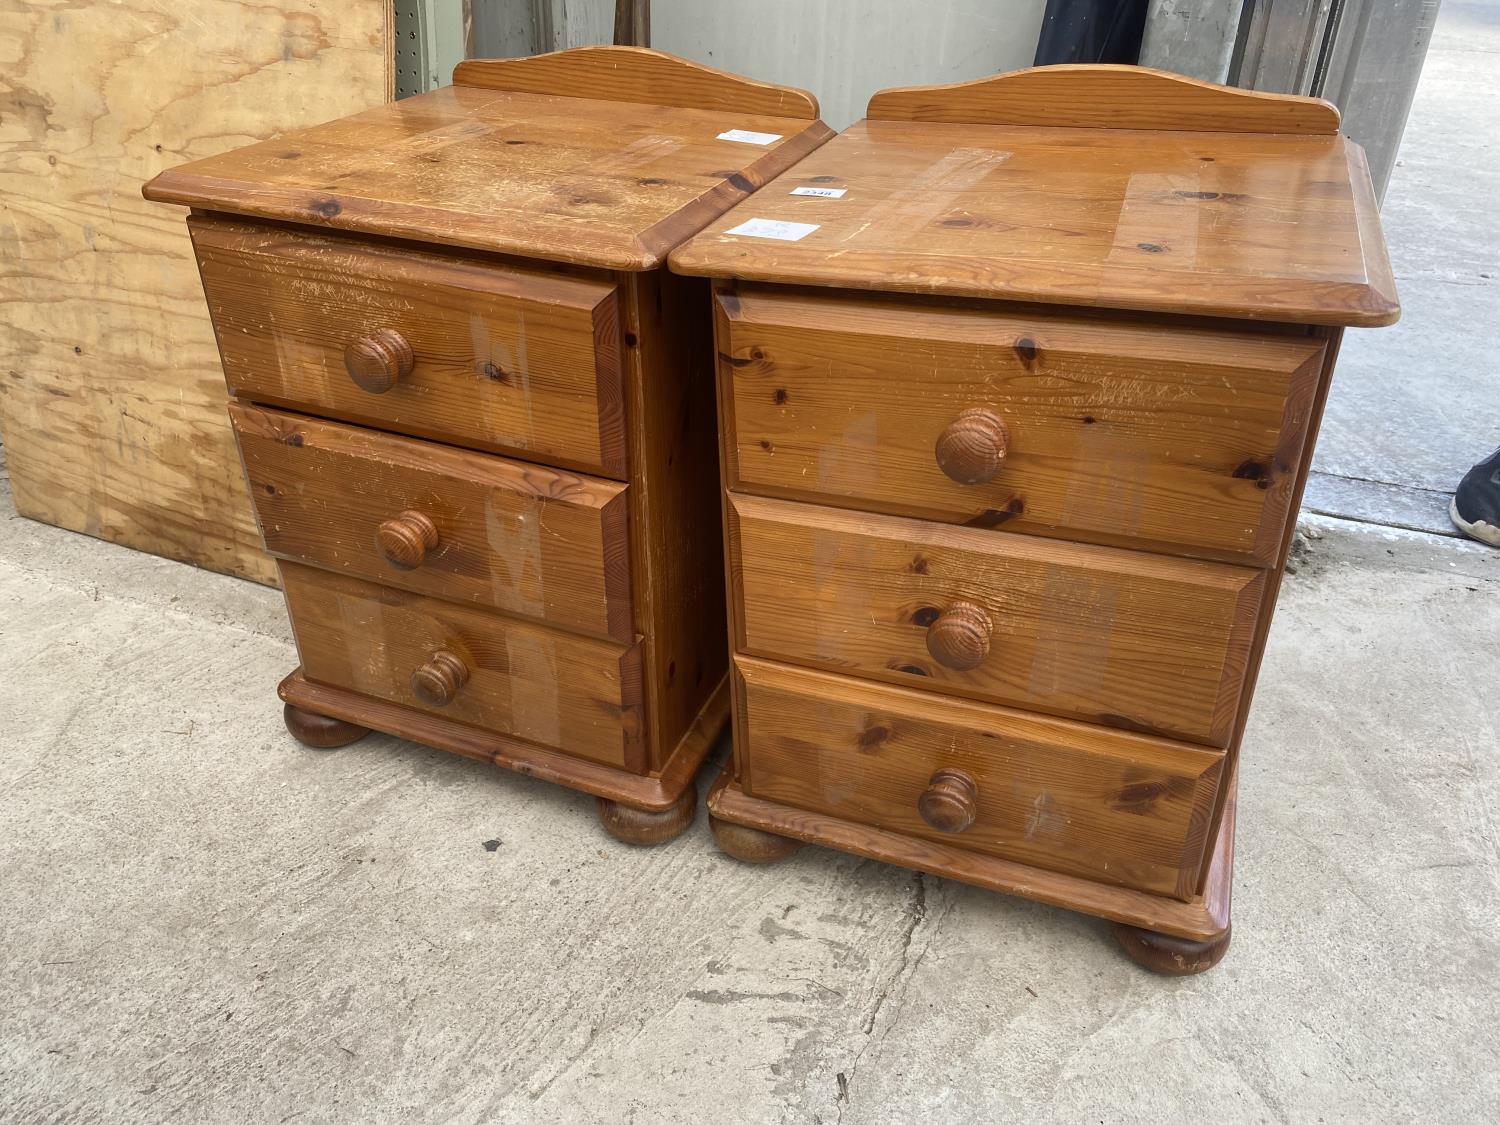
(1016, 410)
(476, 414)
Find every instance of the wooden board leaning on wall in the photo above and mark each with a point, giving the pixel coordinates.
(112, 403)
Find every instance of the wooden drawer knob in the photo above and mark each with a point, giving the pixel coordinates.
(379, 361)
(436, 683)
(972, 447)
(405, 539)
(960, 637)
(950, 802)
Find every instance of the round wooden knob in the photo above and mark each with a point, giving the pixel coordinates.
(436, 683)
(960, 637)
(379, 361)
(405, 539)
(950, 802)
(972, 447)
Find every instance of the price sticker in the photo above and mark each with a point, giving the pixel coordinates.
(749, 137)
(778, 229)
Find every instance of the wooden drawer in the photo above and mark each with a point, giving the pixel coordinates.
(1120, 808)
(546, 686)
(533, 541)
(1120, 638)
(1116, 430)
(498, 357)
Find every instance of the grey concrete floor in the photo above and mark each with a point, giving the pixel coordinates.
(201, 921)
(1414, 405)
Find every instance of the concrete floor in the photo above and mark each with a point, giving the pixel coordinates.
(201, 921)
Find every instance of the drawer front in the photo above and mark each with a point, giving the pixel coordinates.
(1119, 638)
(495, 357)
(1119, 808)
(556, 689)
(532, 541)
(1180, 439)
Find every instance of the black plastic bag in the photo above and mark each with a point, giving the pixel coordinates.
(1091, 31)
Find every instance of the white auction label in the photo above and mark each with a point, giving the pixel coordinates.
(749, 136)
(821, 192)
(774, 228)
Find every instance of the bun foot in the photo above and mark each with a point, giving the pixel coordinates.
(637, 826)
(751, 845)
(320, 731)
(1171, 956)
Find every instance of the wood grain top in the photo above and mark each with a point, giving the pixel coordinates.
(1254, 225)
(602, 177)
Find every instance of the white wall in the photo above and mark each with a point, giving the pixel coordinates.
(845, 50)
(841, 50)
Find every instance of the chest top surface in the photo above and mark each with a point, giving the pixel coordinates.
(603, 157)
(1163, 195)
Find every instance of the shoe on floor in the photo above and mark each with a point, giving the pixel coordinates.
(1475, 507)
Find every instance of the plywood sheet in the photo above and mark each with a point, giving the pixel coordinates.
(111, 397)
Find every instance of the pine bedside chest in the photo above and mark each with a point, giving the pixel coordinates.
(1018, 386)
(476, 414)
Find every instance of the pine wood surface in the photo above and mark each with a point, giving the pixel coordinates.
(1104, 96)
(641, 828)
(1169, 955)
(1333, 339)
(1170, 436)
(320, 732)
(534, 542)
(602, 372)
(1201, 917)
(952, 404)
(545, 686)
(1118, 638)
(506, 357)
(1247, 225)
(111, 397)
(591, 178)
(657, 790)
(678, 562)
(639, 75)
(328, 303)
(751, 845)
(1120, 808)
